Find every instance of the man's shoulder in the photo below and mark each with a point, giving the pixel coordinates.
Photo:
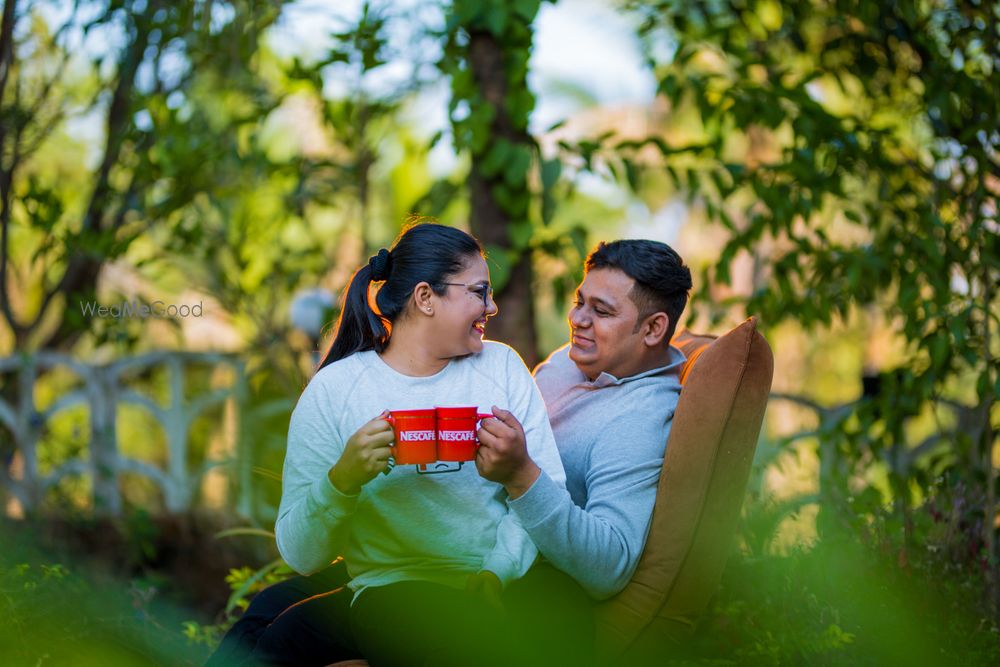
(556, 362)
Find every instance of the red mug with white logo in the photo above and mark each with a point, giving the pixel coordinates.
(415, 434)
(456, 433)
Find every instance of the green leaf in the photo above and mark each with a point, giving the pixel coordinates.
(245, 587)
(518, 165)
(234, 532)
(527, 9)
(551, 170)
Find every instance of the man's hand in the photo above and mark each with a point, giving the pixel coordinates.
(486, 585)
(365, 455)
(503, 454)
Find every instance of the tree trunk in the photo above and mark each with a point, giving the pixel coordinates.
(487, 219)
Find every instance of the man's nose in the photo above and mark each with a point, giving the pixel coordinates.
(578, 318)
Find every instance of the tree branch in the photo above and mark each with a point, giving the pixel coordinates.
(83, 267)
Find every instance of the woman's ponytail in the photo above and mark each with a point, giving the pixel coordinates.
(360, 328)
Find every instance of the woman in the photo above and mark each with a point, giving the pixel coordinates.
(413, 542)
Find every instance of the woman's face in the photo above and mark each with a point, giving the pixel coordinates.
(460, 313)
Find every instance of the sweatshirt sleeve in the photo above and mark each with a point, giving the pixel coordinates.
(313, 517)
(599, 545)
(514, 551)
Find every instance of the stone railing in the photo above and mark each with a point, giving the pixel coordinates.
(102, 389)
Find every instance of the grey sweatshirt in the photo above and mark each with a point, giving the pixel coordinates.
(407, 525)
(612, 435)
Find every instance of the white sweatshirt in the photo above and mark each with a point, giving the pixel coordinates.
(407, 525)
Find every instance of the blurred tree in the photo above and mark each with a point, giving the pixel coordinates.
(488, 45)
(127, 67)
(358, 122)
(857, 143)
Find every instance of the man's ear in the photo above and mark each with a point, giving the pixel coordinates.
(423, 298)
(655, 328)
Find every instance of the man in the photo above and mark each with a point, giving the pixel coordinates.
(610, 394)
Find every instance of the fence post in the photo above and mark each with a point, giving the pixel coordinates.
(102, 391)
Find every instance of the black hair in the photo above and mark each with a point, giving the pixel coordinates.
(662, 280)
(424, 252)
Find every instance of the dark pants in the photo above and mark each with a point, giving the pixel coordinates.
(299, 621)
(420, 624)
(547, 621)
(551, 619)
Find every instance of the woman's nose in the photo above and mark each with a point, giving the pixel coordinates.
(491, 306)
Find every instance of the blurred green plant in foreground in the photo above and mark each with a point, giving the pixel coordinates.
(59, 613)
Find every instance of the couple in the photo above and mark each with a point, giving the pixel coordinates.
(442, 567)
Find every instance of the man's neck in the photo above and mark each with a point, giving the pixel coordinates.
(646, 362)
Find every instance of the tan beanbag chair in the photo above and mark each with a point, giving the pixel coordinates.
(712, 440)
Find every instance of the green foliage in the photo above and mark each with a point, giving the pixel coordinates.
(841, 604)
(56, 615)
(244, 582)
(65, 218)
(851, 150)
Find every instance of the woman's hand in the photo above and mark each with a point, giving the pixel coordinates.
(366, 454)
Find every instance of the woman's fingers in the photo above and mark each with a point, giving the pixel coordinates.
(377, 425)
(378, 456)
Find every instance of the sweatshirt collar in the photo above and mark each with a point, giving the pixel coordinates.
(675, 361)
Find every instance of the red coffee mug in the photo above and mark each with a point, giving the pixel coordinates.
(456, 433)
(415, 435)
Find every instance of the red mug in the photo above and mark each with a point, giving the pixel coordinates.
(456, 433)
(415, 434)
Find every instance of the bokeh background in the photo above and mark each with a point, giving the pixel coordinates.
(186, 188)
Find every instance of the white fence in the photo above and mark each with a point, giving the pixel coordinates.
(102, 389)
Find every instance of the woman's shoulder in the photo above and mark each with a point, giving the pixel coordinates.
(495, 352)
(338, 374)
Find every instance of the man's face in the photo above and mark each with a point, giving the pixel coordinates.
(602, 326)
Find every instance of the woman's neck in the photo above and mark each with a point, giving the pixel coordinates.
(411, 353)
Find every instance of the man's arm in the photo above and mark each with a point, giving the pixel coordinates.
(598, 545)
(514, 551)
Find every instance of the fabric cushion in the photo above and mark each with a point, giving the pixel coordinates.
(710, 449)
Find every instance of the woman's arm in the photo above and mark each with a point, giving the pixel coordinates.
(322, 480)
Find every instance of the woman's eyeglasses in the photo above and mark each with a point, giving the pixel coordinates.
(483, 290)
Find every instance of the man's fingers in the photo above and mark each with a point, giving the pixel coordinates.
(496, 427)
(487, 439)
(506, 417)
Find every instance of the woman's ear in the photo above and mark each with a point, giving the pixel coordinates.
(423, 298)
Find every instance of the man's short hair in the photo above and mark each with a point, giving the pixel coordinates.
(662, 280)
